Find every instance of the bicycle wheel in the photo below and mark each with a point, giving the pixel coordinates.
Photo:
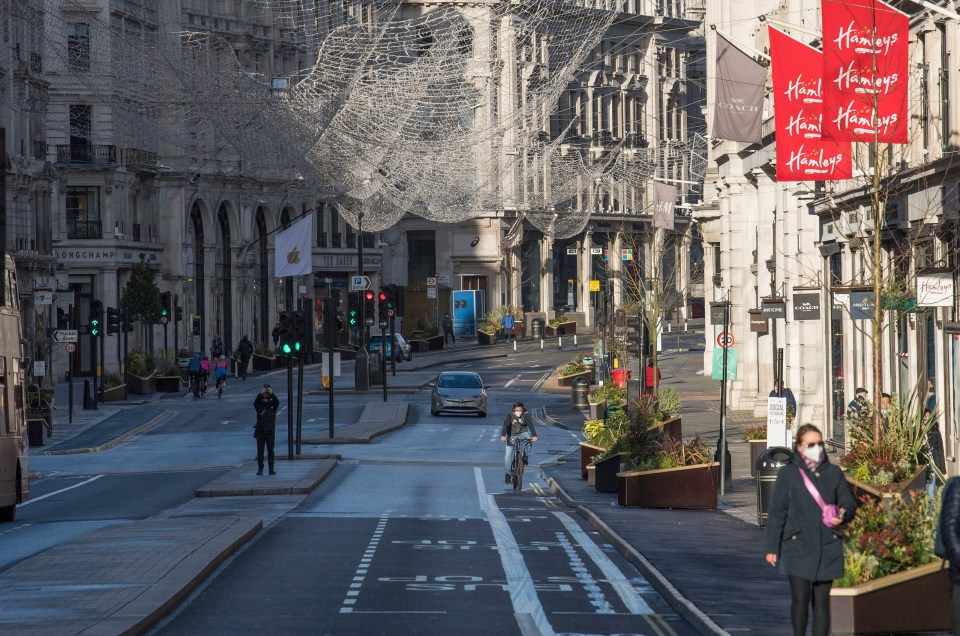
(517, 473)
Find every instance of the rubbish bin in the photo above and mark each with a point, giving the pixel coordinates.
(536, 328)
(591, 365)
(361, 372)
(35, 432)
(613, 408)
(620, 376)
(578, 393)
(373, 368)
(768, 465)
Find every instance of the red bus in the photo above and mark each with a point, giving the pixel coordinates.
(14, 476)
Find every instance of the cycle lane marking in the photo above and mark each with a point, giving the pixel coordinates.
(361, 572)
(526, 604)
(57, 492)
(624, 589)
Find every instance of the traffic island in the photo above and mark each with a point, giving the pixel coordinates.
(378, 418)
(292, 478)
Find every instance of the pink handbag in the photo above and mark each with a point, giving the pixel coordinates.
(828, 511)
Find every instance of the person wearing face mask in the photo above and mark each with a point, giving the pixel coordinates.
(517, 423)
(810, 505)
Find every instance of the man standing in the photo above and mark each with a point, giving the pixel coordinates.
(266, 406)
(507, 324)
(447, 325)
(244, 351)
(791, 400)
(216, 347)
(858, 407)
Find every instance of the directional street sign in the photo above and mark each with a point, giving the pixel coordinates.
(359, 283)
(65, 335)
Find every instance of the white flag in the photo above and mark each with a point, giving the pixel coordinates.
(293, 255)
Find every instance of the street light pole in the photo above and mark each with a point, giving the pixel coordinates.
(363, 327)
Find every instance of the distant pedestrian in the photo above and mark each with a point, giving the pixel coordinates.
(788, 394)
(858, 409)
(264, 431)
(216, 347)
(275, 334)
(949, 534)
(935, 446)
(811, 501)
(507, 324)
(244, 351)
(447, 325)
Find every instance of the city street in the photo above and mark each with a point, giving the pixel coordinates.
(414, 532)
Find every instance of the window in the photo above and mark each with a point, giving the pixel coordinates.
(335, 229)
(83, 212)
(422, 255)
(321, 226)
(78, 47)
(351, 236)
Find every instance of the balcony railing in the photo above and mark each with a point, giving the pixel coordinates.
(84, 229)
(136, 158)
(86, 153)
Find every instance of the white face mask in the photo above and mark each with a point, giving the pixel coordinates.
(518, 413)
(813, 453)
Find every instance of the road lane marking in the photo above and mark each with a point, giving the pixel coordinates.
(539, 383)
(364, 567)
(633, 601)
(57, 492)
(594, 593)
(507, 385)
(526, 605)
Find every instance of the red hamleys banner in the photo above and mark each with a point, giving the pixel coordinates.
(802, 155)
(865, 60)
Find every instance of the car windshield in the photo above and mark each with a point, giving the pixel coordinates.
(459, 381)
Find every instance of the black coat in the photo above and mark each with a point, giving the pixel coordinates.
(266, 408)
(513, 427)
(950, 526)
(795, 531)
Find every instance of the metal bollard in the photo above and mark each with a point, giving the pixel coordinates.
(559, 342)
(541, 344)
(514, 345)
(574, 340)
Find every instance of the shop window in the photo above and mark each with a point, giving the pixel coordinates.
(83, 212)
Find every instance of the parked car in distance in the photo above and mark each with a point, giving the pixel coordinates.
(401, 351)
(458, 392)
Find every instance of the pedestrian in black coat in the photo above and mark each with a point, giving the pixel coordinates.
(266, 406)
(808, 551)
(950, 535)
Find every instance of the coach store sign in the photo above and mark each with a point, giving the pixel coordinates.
(806, 306)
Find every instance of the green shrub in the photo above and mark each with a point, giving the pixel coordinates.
(610, 392)
(668, 402)
(140, 364)
(755, 432)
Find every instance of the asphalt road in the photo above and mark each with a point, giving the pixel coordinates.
(415, 532)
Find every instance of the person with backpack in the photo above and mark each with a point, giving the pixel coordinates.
(216, 347)
(244, 351)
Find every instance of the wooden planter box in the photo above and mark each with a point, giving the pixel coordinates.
(434, 343)
(141, 386)
(683, 487)
(917, 482)
(672, 428)
(261, 363)
(568, 380)
(563, 329)
(910, 602)
(168, 383)
(587, 452)
(607, 470)
(597, 410)
(114, 394)
(757, 446)
(419, 346)
(484, 338)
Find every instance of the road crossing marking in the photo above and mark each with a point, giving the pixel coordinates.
(633, 601)
(539, 383)
(364, 567)
(526, 605)
(57, 492)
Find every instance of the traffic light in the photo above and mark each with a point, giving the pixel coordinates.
(353, 314)
(382, 303)
(391, 299)
(285, 341)
(299, 331)
(127, 323)
(633, 335)
(369, 310)
(95, 318)
(113, 320)
(399, 291)
(165, 305)
(178, 313)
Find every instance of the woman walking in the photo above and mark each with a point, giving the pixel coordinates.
(811, 501)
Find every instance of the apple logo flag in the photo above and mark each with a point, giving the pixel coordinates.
(293, 252)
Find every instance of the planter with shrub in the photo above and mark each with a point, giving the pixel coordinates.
(756, 437)
(140, 374)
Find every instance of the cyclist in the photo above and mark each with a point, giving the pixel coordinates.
(220, 372)
(195, 371)
(205, 368)
(517, 423)
(216, 347)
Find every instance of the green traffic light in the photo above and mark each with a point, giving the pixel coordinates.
(164, 312)
(296, 345)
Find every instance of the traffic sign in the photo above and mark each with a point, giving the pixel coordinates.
(594, 285)
(163, 320)
(71, 347)
(725, 339)
(431, 281)
(359, 283)
(390, 312)
(65, 335)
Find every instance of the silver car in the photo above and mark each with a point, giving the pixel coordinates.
(458, 391)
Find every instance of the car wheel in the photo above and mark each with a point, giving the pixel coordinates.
(482, 413)
(410, 357)
(434, 413)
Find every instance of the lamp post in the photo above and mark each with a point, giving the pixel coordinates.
(771, 264)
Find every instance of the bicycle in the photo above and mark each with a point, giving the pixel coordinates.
(516, 467)
(220, 384)
(195, 387)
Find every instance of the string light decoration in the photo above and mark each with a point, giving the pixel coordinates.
(383, 108)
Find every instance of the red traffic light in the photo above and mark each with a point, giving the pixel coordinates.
(368, 295)
(383, 297)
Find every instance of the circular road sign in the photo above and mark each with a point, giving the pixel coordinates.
(163, 320)
(71, 347)
(390, 312)
(725, 339)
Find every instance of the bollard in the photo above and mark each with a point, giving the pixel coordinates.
(559, 342)
(574, 340)
(541, 344)
(669, 327)
(514, 345)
